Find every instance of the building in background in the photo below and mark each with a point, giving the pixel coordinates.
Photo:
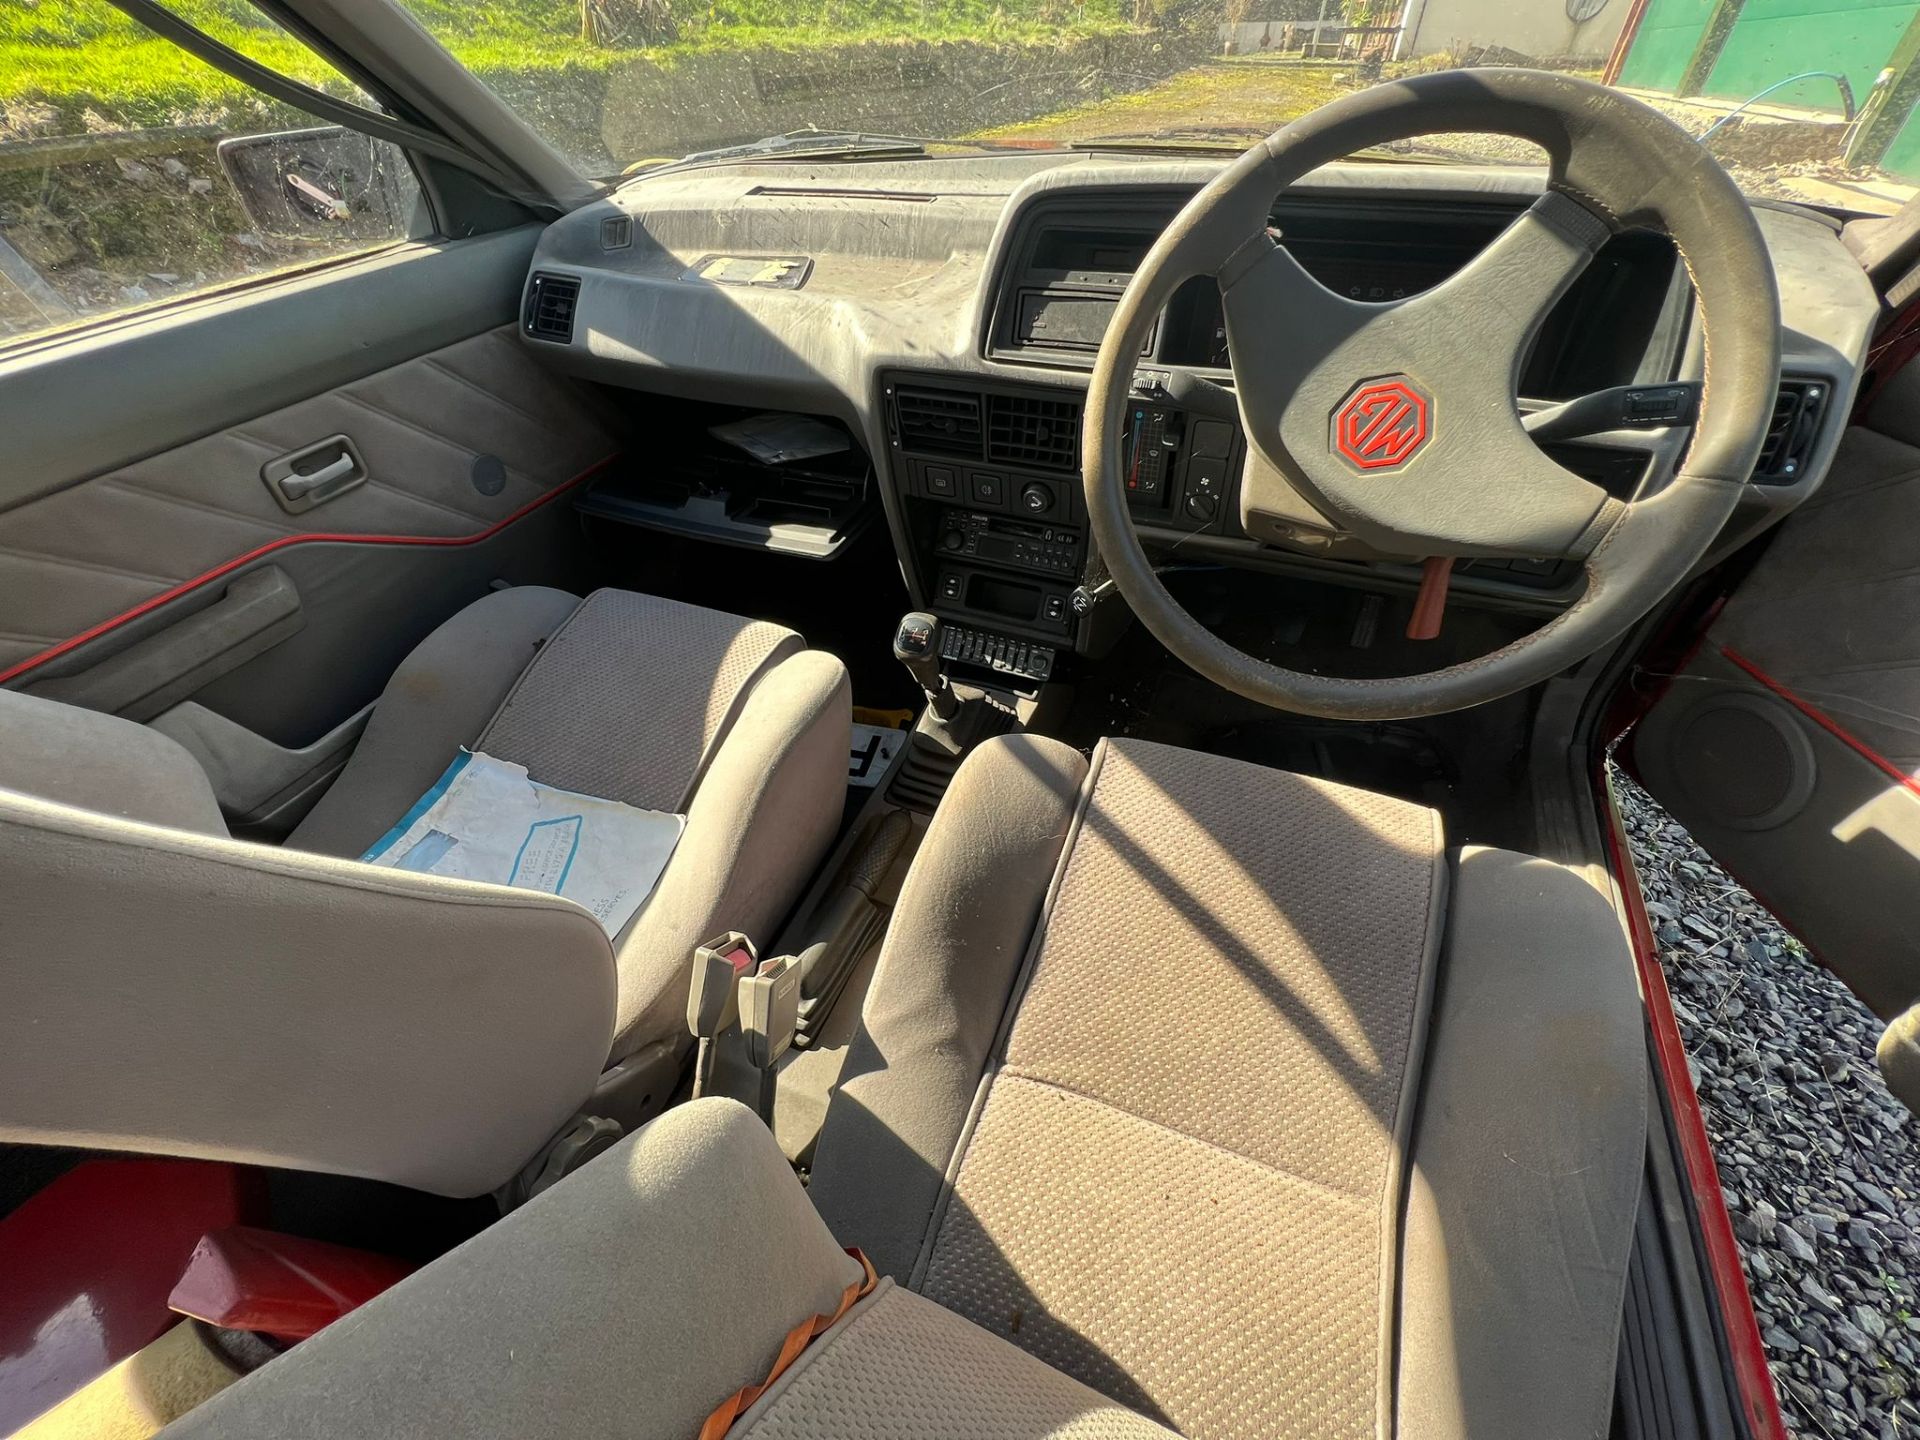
(1556, 31)
(1847, 63)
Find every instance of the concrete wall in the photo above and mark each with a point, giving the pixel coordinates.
(648, 110)
(1539, 28)
(1250, 37)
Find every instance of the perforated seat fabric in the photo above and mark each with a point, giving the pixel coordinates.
(631, 1300)
(629, 696)
(1229, 994)
(900, 1367)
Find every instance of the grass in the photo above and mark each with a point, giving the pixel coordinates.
(1257, 94)
(83, 57)
(107, 233)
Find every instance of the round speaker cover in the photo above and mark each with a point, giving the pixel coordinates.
(1748, 762)
(489, 474)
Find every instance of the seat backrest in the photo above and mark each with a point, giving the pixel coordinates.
(630, 1301)
(643, 1297)
(1204, 1096)
(1228, 1044)
(103, 763)
(631, 696)
(173, 991)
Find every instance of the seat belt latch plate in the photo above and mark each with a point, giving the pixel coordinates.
(770, 1010)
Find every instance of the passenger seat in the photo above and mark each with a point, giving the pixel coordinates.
(733, 723)
(174, 991)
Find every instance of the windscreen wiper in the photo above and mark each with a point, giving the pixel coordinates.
(1209, 140)
(1233, 139)
(801, 144)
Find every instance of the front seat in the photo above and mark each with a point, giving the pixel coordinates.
(171, 990)
(1230, 1095)
(1237, 1097)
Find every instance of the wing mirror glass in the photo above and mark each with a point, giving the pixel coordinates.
(327, 183)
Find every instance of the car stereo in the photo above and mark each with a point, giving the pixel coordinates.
(1016, 544)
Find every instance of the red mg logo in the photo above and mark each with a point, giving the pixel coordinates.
(1383, 423)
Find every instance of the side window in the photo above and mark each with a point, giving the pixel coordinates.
(131, 173)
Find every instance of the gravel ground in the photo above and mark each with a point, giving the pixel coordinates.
(1818, 1161)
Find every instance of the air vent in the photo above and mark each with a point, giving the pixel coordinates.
(1792, 432)
(938, 422)
(1040, 434)
(550, 304)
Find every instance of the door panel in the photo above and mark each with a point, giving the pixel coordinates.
(456, 445)
(255, 611)
(82, 404)
(161, 559)
(1789, 742)
(368, 605)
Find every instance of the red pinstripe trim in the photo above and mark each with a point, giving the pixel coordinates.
(94, 632)
(1753, 1380)
(1823, 720)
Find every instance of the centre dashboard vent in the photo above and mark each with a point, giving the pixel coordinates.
(1027, 430)
(551, 300)
(1792, 432)
(938, 422)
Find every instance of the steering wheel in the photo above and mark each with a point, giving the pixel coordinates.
(1398, 422)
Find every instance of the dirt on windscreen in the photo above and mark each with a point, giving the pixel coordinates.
(1771, 152)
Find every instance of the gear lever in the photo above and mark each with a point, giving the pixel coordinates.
(916, 645)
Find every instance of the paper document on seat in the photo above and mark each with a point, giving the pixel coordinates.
(487, 819)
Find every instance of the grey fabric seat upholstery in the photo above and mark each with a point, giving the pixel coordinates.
(174, 991)
(1239, 1098)
(732, 722)
(1190, 1098)
(634, 1298)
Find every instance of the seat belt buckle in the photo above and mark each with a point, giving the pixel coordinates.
(717, 967)
(770, 1010)
(712, 1002)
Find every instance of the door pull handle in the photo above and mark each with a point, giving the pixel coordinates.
(297, 489)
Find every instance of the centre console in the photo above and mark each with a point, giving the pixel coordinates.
(989, 476)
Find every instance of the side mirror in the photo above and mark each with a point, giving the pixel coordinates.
(327, 182)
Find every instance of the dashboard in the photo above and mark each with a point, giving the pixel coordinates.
(1068, 265)
(947, 312)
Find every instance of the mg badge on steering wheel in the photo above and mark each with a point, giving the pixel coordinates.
(1383, 423)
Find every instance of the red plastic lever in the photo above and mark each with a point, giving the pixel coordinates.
(1431, 603)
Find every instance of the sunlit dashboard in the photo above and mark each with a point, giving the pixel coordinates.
(1622, 322)
(948, 312)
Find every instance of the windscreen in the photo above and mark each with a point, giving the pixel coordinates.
(1802, 99)
(132, 174)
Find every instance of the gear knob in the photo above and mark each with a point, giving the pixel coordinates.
(916, 645)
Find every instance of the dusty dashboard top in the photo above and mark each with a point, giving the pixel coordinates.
(980, 285)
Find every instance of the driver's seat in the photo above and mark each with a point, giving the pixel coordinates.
(1238, 1097)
